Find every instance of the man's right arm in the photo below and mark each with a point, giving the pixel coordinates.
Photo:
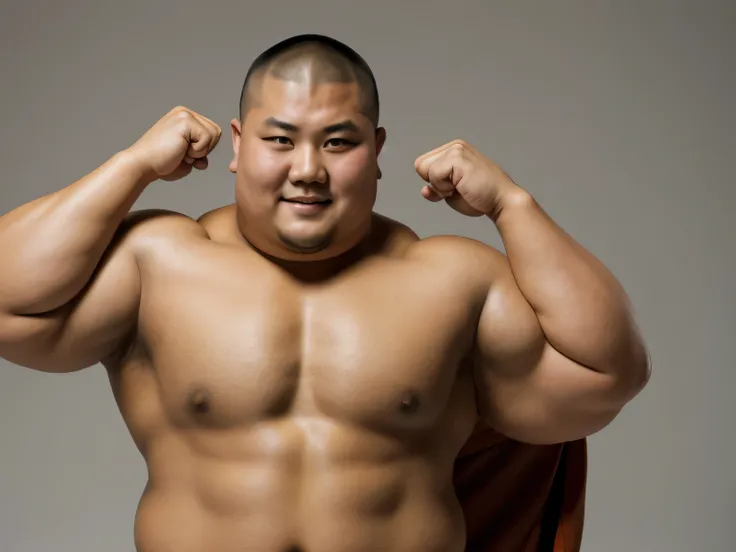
(69, 284)
(69, 280)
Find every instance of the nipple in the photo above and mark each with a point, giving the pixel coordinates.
(199, 401)
(409, 403)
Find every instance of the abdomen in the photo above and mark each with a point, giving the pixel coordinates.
(322, 488)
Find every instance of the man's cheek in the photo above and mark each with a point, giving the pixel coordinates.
(355, 171)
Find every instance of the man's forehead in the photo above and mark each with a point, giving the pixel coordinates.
(274, 90)
(288, 100)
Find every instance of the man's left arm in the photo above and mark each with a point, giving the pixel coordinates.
(559, 352)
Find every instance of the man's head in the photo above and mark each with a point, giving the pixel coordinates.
(308, 131)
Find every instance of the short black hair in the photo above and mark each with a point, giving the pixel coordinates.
(357, 63)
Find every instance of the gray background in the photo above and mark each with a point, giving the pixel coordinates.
(618, 116)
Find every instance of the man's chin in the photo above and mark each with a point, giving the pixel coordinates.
(307, 247)
(308, 250)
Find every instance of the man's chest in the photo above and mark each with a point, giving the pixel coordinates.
(386, 339)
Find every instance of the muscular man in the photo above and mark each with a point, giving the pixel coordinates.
(298, 371)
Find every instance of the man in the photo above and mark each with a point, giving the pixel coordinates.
(299, 372)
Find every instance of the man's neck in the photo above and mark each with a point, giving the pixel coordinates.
(309, 271)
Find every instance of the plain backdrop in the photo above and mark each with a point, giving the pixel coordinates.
(617, 116)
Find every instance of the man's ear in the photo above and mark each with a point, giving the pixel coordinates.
(380, 141)
(236, 129)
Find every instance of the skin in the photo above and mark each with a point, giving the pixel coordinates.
(283, 150)
(305, 382)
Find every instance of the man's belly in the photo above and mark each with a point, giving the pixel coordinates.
(343, 493)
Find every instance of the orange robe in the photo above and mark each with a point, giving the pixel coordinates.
(521, 498)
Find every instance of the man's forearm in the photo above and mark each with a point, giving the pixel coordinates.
(582, 308)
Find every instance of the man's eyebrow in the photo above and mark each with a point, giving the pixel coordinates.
(347, 124)
(274, 122)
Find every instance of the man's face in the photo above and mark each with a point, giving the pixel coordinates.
(306, 169)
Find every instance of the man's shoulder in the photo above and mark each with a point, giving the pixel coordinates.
(439, 243)
(148, 227)
(458, 251)
(151, 220)
(163, 222)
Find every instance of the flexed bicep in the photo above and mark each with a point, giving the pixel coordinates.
(525, 388)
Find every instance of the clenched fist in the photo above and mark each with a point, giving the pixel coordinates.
(180, 140)
(469, 182)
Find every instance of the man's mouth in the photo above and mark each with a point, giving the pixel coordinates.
(307, 206)
(307, 200)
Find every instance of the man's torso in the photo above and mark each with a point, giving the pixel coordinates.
(274, 413)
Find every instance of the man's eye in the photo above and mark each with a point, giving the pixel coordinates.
(339, 142)
(282, 140)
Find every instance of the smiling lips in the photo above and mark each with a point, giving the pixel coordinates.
(307, 200)
(307, 205)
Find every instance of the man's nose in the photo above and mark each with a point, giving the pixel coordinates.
(307, 166)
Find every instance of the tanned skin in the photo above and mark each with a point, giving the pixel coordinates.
(302, 377)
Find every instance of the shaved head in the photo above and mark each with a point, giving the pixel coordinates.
(311, 60)
(308, 127)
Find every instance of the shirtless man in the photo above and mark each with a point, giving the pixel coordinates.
(299, 372)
